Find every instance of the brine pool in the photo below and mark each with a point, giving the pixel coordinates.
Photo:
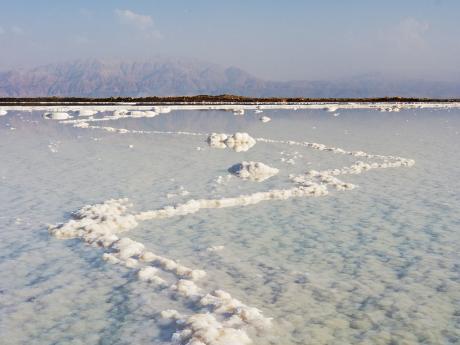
(374, 264)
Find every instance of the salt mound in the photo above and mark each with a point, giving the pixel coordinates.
(57, 116)
(239, 142)
(87, 112)
(238, 111)
(254, 171)
(265, 119)
(3, 112)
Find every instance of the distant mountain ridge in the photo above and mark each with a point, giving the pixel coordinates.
(173, 77)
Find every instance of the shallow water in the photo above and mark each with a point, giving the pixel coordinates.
(378, 264)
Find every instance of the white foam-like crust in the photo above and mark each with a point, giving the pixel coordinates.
(254, 171)
(239, 142)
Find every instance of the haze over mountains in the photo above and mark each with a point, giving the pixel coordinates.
(170, 77)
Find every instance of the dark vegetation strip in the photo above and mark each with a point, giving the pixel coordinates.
(205, 99)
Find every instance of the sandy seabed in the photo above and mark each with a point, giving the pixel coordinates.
(122, 226)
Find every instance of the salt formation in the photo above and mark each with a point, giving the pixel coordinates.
(99, 225)
(58, 115)
(238, 111)
(265, 119)
(221, 319)
(203, 329)
(254, 171)
(3, 112)
(224, 325)
(239, 142)
(87, 112)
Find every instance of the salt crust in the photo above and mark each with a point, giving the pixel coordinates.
(223, 319)
(265, 119)
(239, 142)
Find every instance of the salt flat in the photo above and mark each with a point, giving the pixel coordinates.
(367, 255)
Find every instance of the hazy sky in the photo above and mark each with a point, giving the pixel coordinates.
(288, 39)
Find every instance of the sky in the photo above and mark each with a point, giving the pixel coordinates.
(279, 40)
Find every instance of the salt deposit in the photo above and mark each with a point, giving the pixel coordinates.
(265, 119)
(87, 112)
(239, 142)
(3, 112)
(254, 171)
(215, 317)
(58, 115)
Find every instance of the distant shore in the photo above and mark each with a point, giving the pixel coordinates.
(206, 99)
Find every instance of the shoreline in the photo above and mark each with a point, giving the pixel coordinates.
(214, 100)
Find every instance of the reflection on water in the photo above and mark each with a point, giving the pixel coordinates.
(374, 265)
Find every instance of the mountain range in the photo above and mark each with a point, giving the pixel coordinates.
(173, 77)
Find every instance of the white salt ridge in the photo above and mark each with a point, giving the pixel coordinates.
(99, 224)
(238, 111)
(254, 171)
(265, 119)
(150, 274)
(116, 115)
(225, 324)
(84, 124)
(239, 142)
(322, 147)
(205, 329)
(186, 288)
(193, 206)
(123, 109)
